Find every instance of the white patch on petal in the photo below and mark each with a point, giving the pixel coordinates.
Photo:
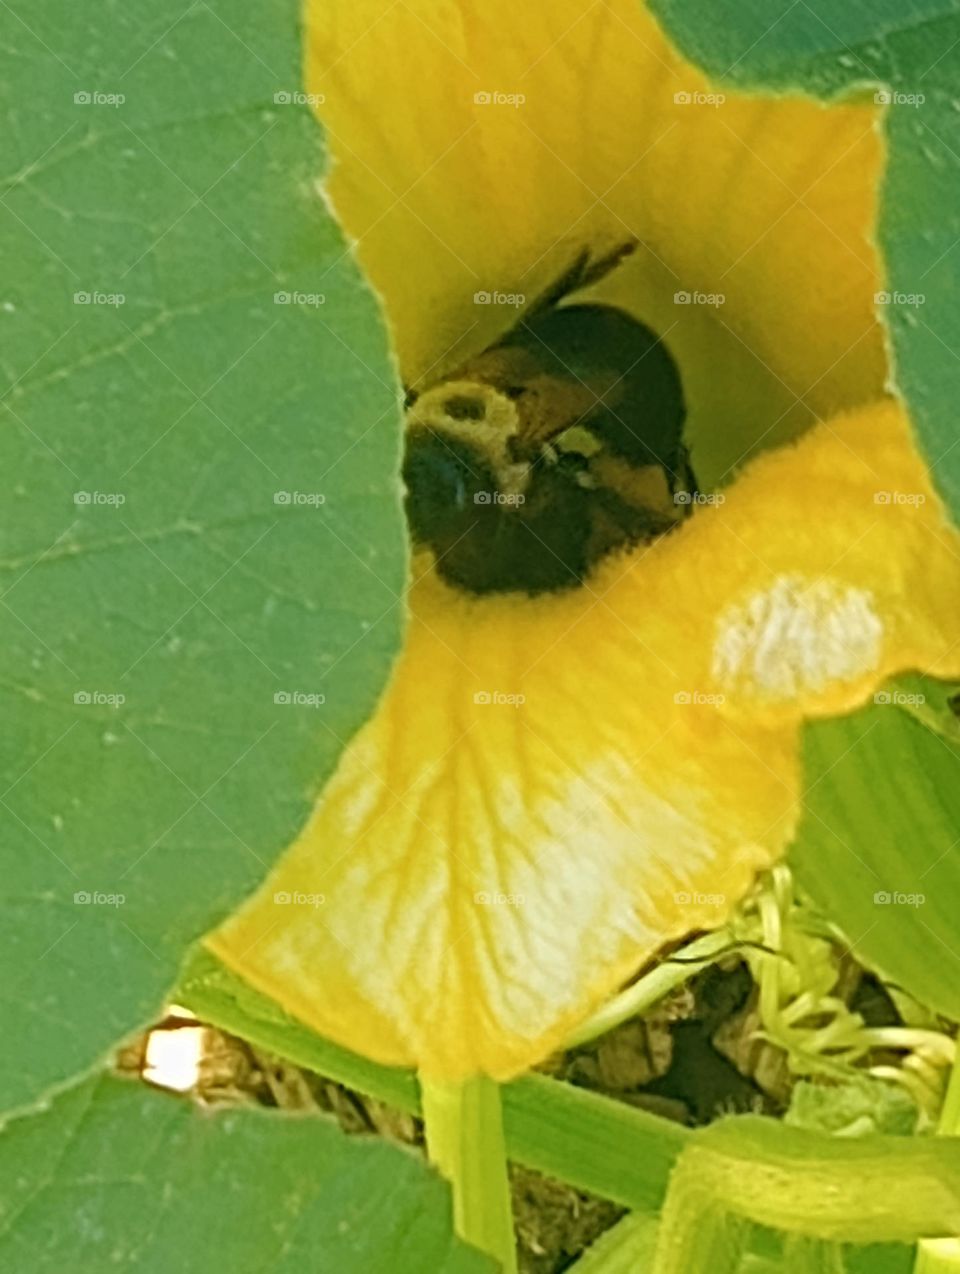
(568, 916)
(796, 637)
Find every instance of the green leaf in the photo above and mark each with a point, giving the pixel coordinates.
(115, 1177)
(591, 1142)
(933, 703)
(144, 548)
(910, 53)
(879, 854)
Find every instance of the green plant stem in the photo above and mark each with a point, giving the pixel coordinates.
(464, 1129)
(747, 1169)
(626, 1248)
(698, 1230)
(652, 987)
(942, 1256)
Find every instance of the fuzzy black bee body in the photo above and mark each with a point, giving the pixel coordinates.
(549, 450)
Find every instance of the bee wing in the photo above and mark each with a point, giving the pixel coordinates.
(489, 365)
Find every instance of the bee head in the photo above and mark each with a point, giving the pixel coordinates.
(494, 521)
(459, 454)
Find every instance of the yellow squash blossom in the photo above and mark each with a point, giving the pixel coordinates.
(554, 786)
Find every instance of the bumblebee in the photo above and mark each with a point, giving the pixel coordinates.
(552, 448)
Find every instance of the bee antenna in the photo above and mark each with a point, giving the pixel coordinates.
(604, 265)
(581, 274)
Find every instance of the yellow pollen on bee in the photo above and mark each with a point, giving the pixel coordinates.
(480, 415)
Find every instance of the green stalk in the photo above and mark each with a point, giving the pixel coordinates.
(626, 1248)
(942, 1256)
(698, 1231)
(653, 986)
(464, 1129)
(747, 1169)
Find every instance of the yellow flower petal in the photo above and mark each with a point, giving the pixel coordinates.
(554, 787)
(769, 202)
